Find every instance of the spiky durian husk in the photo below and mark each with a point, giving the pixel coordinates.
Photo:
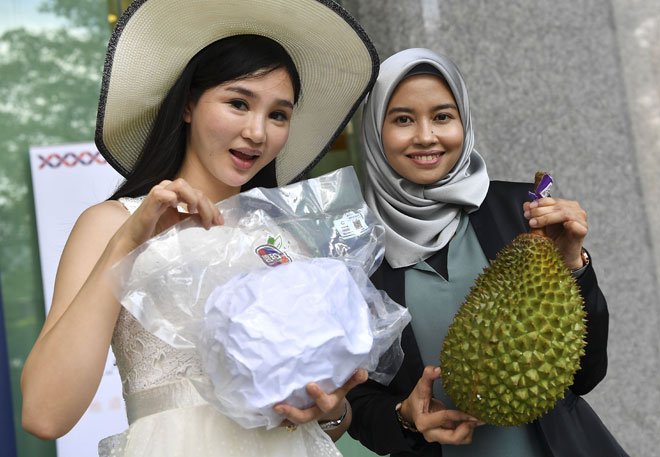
(516, 341)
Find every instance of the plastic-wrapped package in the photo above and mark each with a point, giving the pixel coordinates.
(277, 297)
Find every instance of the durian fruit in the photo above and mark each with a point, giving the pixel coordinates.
(516, 341)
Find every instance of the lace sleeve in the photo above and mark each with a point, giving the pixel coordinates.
(131, 203)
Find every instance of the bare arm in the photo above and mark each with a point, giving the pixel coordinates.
(65, 366)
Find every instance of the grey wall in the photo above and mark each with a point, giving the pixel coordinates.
(571, 87)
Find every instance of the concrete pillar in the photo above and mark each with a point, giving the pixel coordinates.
(571, 87)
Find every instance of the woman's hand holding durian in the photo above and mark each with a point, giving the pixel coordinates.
(430, 416)
(565, 222)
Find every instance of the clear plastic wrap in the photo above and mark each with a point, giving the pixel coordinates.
(263, 333)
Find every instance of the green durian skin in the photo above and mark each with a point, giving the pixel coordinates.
(516, 341)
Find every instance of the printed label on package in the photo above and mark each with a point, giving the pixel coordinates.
(272, 253)
(351, 224)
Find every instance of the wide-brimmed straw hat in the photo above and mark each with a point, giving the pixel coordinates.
(154, 40)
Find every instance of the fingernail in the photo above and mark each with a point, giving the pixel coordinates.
(534, 204)
(436, 370)
(533, 222)
(527, 214)
(279, 409)
(476, 422)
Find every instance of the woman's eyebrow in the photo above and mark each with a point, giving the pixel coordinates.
(445, 106)
(248, 93)
(242, 91)
(285, 103)
(409, 111)
(399, 110)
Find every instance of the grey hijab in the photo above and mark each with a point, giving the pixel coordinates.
(419, 219)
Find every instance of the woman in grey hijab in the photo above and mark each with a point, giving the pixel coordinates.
(445, 221)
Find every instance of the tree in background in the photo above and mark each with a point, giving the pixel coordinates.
(48, 95)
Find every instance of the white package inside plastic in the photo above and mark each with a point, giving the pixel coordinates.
(262, 332)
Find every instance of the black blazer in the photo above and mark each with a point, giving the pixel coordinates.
(570, 429)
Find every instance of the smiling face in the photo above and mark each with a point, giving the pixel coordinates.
(422, 131)
(234, 130)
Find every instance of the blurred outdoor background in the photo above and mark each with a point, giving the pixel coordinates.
(572, 87)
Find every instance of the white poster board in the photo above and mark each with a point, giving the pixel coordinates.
(66, 180)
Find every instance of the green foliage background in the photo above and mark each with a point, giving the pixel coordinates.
(48, 95)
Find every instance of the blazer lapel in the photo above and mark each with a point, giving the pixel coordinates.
(487, 230)
(500, 217)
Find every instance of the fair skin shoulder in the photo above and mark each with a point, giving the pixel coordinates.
(64, 368)
(422, 140)
(236, 129)
(80, 263)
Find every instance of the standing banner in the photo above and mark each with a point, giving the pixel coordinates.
(7, 433)
(66, 180)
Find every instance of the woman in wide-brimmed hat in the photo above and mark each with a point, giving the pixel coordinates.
(200, 100)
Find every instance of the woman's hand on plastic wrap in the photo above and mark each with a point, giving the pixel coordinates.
(277, 302)
(159, 211)
(327, 406)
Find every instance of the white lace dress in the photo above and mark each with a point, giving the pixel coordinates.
(168, 418)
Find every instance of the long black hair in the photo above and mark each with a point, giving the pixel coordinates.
(230, 59)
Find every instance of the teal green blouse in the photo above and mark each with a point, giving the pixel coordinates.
(433, 301)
